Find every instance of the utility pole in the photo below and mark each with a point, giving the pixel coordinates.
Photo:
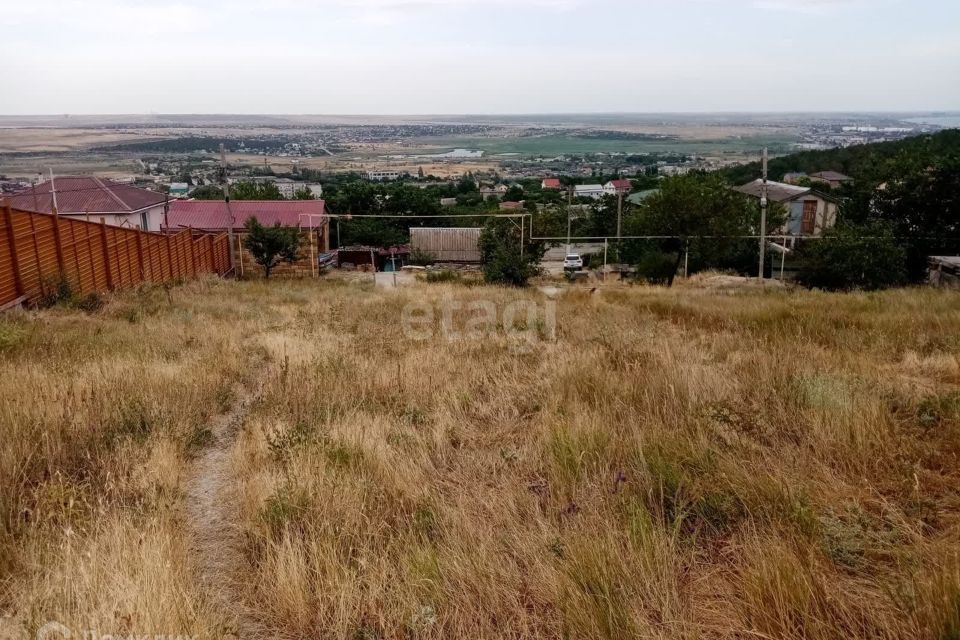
(569, 214)
(763, 215)
(226, 198)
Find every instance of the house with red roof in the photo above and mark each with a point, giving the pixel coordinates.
(550, 183)
(618, 187)
(218, 216)
(92, 198)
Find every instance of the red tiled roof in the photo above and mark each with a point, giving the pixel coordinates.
(621, 184)
(86, 194)
(213, 214)
(551, 182)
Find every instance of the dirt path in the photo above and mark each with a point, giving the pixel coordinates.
(212, 519)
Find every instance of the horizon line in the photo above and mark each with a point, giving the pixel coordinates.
(494, 114)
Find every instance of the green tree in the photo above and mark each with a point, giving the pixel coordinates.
(467, 185)
(693, 210)
(501, 254)
(357, 197)
(409, 200)
(919, 197)
(303, 194)
(853, 256)
(208, 192)
(255, 191)
(513, 194)
(271, 245)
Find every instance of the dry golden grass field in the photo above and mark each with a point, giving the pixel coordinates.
(282, 460)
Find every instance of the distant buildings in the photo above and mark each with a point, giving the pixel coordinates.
(90, 198)
(550, 183)
(809, 213)
(594, 191)
(383, 175)
(13, 186)
(497, 191)
(288, 188)
(832, 178)
(618, 187)
(179, 189)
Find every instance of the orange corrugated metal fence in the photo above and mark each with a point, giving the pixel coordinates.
(38, 248)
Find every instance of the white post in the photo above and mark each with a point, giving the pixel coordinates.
(783, 261)
(53, 192)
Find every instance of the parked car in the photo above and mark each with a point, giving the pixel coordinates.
(573, 261)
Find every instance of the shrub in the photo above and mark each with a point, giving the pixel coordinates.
(444, 275)
(851, 256)
(91, 303)
(421, 258)
(503, 262)
(656, 267)
(271, 245)
(56, 290)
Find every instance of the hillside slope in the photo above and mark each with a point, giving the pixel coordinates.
(864, 162)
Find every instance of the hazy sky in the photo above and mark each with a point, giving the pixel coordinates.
(477, 56)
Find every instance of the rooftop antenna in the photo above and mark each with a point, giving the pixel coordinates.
(763, 215)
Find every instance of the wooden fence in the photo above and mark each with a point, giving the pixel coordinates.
(36, 249)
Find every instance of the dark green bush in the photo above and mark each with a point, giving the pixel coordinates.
(656, 267)
(503, 261)
(865, 256)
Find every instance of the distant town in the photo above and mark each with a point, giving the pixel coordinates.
(177, 154)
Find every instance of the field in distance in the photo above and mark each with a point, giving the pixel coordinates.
(284, 459)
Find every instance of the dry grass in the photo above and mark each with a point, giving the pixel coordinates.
(677, 464)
